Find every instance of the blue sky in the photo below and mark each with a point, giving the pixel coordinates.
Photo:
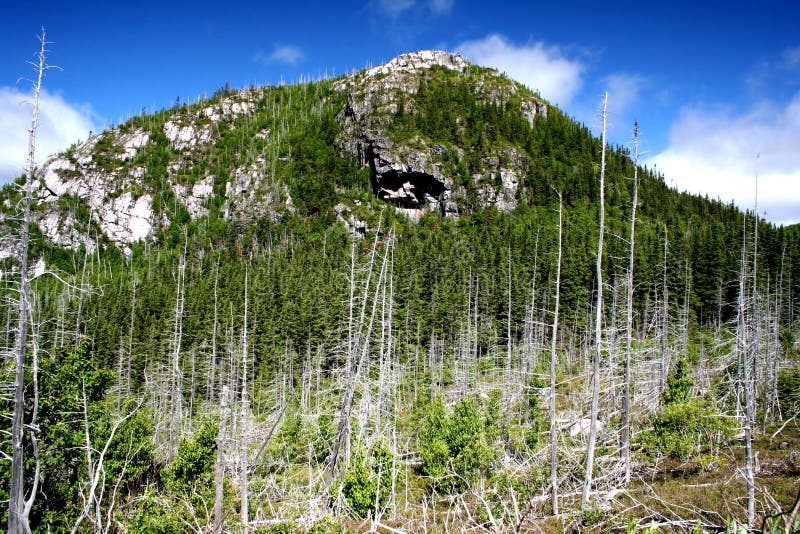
(712, 84)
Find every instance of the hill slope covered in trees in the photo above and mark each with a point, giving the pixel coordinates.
(303, 306)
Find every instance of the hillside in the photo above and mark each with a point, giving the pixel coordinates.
(303, 306)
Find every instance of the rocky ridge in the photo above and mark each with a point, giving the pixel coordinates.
(109, 176)
(103, 174)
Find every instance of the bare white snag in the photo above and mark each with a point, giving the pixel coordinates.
(598, 324)
(213, 362)
(176, 375)
(245, 513)
(219, 467)
(509, 396)
(743, 351)
(127, 389)
(94, 492)
(750, 372)
(18, 508)
(626, 382)
(358, 348)
(664, 321)
(553, 338)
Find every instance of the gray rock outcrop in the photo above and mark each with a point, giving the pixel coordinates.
(412, 173)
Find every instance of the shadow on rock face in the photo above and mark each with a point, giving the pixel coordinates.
(407, 189)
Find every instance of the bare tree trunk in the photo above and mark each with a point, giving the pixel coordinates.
(772, 406)
(685, 310)
(245, 513)
(213, 366)
(78, 315)
(475, 332)
(93, 493)
(219, 468)
(352, 365)
(553, 338)
(743, 354)
(176, 376)
(127, 389)
(612, 335)
(509, 395)
(17, 508)
(625, 446)
(750, 374)
(587, 478)
(664, 321)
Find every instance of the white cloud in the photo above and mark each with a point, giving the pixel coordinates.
(395, 7)
(60, 124)
(714, 153)
(791, 57)
(289, 54)
(623, 91)
(286, 54)
(544, 68)
(441, 7)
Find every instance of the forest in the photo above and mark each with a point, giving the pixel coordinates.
(610, 355)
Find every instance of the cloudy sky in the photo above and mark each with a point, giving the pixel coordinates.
(716, 89)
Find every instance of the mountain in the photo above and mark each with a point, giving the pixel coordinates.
(308, 305)
(194, 156)
(427, 132)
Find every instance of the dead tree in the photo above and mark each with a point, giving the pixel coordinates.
(771, 407)
(598, 323)
(213, 357)
(530, 337)
(664, 321)
(625, 434)
(245, 517)
(127, 389)
(19, 507)
(553, 338)
(175, 391)
(94, 492)
(509, 395)
(219, 467)
(750, 371)
(744, 360)
(358, 347)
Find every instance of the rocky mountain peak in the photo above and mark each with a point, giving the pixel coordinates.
(416, 172)
(414, 62)
(231, 151)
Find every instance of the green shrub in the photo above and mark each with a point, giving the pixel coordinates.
(323, 438)
(327, 525)
(193, 467)
(368, 480)
(154, 514)
(455, 447)
(291, 445)
(679, 384)
(789, 391)
(685, 429)
(284, 527)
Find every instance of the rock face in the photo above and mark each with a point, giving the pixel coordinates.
(194, 198)
(499, 181)
(102, 175)
(251, 196)
(111, 193)
(412, 174)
